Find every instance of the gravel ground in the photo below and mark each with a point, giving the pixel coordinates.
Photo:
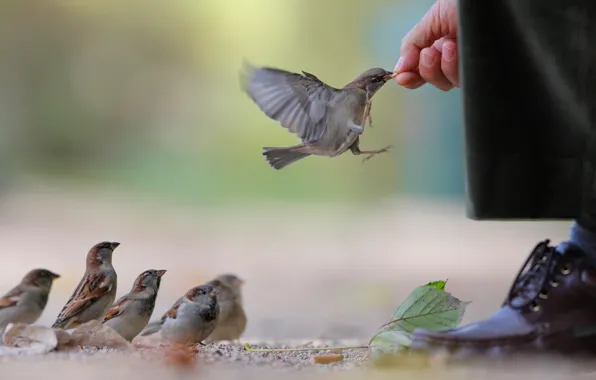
(232, 362)
(238, 357)
(222, 356)
(341, 282)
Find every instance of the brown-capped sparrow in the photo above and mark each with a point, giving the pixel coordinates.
(25, 302)
(191, 319)
(95, 293)
(232, 319)
(131, 313)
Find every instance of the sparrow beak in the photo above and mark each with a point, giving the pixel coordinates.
(114, 245)
(238, 282)
(390, 76)
(161, 272)
(214, 292)
(55, 276)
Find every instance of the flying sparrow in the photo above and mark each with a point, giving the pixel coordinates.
(232, 319)
(25, 302)
(191, 319)
(95, 293)
(328, 120)
(131, 313)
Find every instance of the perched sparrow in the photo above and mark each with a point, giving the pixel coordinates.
(328, 121)
(191, 319)
(232, 319)
(25, 302)
(96, 291)
(131, 313)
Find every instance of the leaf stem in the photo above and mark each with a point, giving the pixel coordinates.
(250, 349)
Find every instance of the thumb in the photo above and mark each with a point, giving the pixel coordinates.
(432, 27)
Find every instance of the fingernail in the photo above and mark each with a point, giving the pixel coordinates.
(448, 53)
(427, 59)
(400, 63)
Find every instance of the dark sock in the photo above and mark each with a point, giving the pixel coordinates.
(582, 237)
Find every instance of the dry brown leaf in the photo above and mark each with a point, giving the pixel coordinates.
(327, 359)
(65, 340)
(181, 355)
(30, 339)
(93, 334)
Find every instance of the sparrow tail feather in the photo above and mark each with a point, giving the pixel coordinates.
(151, 328)
(279, 158)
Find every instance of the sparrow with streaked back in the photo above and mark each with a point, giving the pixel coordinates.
(131, 313)
(232, 319)
(96, 291)
(328, 120)
(25, 302)
(191, 319)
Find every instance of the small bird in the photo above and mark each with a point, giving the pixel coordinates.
(25, 302)
(96, 291)
(328, 120)
(191, 319)
(131, 313)
(232, 319)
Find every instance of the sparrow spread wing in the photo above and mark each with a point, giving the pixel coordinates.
(117, 308)
(298, 102)
(90, 289)
(11, 298)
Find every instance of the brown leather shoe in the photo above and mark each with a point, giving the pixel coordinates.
(551, 308)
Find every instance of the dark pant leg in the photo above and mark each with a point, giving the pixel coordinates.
(529, 95)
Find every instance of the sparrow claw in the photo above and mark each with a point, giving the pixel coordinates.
(373, 153)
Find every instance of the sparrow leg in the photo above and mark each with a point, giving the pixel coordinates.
(368, 115)
(367, 108)
(369, 153)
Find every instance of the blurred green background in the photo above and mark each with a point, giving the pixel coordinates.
(124, 120)
(144, 96)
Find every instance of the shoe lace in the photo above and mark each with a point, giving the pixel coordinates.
(535, 278)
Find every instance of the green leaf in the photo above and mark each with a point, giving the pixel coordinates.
(438, 284)
(389, 342)
(428, 307)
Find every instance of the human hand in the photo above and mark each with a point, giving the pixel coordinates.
(429, 51)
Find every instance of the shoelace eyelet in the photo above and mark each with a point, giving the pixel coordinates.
(565, 270)
(543, 295)
(554, 283)
(535, 307)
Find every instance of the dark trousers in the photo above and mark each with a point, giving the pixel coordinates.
(529, 94)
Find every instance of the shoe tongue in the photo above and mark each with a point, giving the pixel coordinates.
(564, 246)
(525, 294)
(529, 283)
